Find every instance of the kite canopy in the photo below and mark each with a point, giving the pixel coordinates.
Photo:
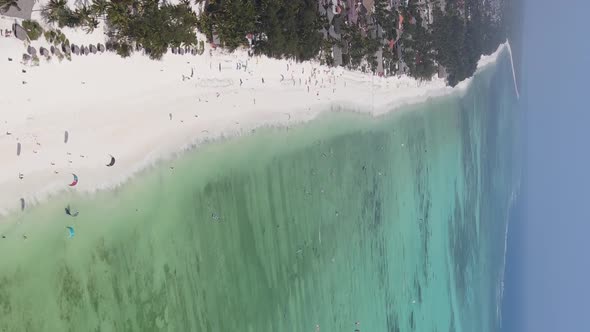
(69, 212)
(112, 162)
(71, 232)
(75, 182)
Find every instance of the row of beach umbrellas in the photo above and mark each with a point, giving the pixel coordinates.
(184, 50)
(64, 49)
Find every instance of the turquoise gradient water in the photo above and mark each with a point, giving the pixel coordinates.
(395, 222)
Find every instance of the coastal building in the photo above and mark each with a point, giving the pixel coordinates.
(352, 11)
(22, 10)
(369, 5)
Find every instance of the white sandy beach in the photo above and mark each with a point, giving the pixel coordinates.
(111, 105)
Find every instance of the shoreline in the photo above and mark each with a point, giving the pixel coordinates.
(142, 111)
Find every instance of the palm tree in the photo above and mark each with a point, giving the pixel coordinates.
(99, 7)
(84, 17)
(55, 11)
(6, 4)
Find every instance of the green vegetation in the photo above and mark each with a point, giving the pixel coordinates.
(55, 37)
(147, 24)
(33, 29)
(369, 39)
(460, 41)
(280, 29)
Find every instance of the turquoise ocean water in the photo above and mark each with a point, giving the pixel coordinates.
(395, 222)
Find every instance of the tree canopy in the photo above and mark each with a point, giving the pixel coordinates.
(153, 25)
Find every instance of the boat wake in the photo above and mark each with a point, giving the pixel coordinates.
(513, 72)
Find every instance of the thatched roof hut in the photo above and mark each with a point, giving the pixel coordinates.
(93, 49)
(100, 47)
(19, 32)
(44, 52)
(31, 50)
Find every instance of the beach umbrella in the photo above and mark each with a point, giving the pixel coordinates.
(66, 136)
(52, 49)
(100, 47)
(43, 51)
(93, 49)
(31, 50)
(75, 182)
(18, 146)
(22, 204)
(112, 162)
(181, 51)
(26, 57)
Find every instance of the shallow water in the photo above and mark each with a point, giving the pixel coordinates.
(394, 222)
